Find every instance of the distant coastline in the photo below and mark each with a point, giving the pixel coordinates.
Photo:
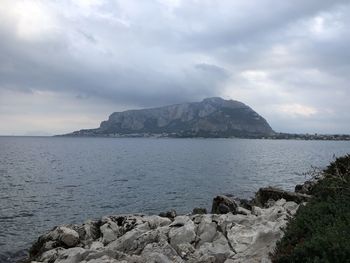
(276, 136)
(209, 118)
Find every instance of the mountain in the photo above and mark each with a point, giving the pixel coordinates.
(212, 117)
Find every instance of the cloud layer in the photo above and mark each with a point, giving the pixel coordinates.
(66, 65)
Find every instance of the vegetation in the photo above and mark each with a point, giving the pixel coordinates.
(320, 231)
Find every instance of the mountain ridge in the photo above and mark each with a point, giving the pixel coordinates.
(211, 117)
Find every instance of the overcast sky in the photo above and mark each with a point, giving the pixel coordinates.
(66, 65)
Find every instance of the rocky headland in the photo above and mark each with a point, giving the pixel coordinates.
(212, 117)
(235, 231)
(209, 118)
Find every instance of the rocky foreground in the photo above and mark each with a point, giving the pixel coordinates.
(229, 234)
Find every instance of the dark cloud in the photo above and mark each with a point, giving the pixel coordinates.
(288, 60)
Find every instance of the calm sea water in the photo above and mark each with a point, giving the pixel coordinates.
(49, 181)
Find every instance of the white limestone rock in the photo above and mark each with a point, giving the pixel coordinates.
(68, 236)
(243, 211)
(206, 231)
(182, 230)
(71, 255)
(156, 221)
(50, 255)
(97, 245)
(206, 238)
(104, 259)
(161, 252)
(219, 248)
(110, 231)
(92, 230)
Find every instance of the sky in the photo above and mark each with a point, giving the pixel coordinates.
(66, 65)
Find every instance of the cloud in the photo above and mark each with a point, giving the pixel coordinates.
(289, 61)
(297, 109)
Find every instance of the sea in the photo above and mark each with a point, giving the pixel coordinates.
(49, 181)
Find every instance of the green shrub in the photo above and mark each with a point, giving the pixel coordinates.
(320, 230)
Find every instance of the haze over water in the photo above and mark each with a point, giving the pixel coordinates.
(50, 181)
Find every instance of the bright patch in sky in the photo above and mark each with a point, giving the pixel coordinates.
(298, 109)
(33, 19)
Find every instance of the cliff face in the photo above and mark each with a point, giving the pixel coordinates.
(212, 117)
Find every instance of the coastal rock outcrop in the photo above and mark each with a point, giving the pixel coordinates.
(264, 195)
(223, 204)
(248, 236)
(307, 186)
(199, 210)
(169, 214)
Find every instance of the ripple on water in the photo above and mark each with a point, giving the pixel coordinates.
(6, 218)
(11, 217)
(10, 256)
(25, 214)
(69, 186)
(42, 182)
(107, 206)
(120, 180)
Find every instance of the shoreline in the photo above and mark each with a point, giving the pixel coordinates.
(307, 224)
(278, 136)
(236, 229)
(339, 138)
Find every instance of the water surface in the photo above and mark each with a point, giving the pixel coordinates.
(49, 181)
